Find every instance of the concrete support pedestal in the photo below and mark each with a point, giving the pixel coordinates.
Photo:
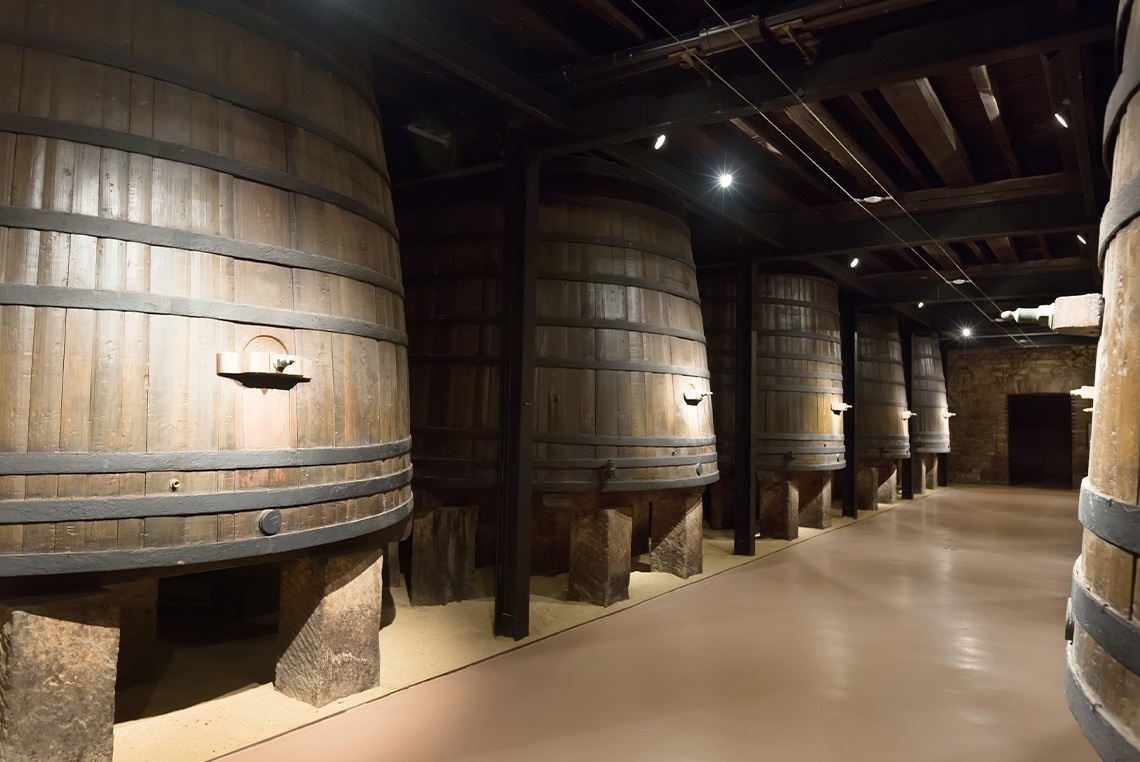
(443, 555)
(918, 473)
(328, 636)
(933, 477)
(58, 658)
(676, 535)
(779, 498)
(815, 499)
(867, 489)
(138, 631)
(600, 541)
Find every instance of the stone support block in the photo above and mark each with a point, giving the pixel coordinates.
(58, 657)
(676, 535)
(600, 541)
(328, 636)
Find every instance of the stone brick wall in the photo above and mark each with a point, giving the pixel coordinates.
(977, 384)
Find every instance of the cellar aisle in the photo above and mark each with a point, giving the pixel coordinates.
(931, 632)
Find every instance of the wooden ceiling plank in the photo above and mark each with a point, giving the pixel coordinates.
(1080, 108)
(811, 177)
(920, 110)
(1004, 250)
(942, 255)
(1055, 84)
(991, 101)
(1044, 244)
(980, 254)
(823, 129)
(888, 137)
(527, 20)
(615, 18)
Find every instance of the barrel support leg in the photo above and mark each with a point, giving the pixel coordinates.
(443, 555)
(643, 530)
(918, 463)
(329, 633)
(779, 505)
(867, 488)
(815, 499)
(676, 535)
(138, 631)
(599, 554)
(722, 505)
(888, 482)
(57, 676)
(552, 513)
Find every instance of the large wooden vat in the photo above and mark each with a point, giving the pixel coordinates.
(880, 392)
(1103, 676)
(184, 201)
(930, 428)
(799, 374)
(621, 376)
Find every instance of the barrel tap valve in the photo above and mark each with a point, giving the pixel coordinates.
(694, 397)
(840, 407)
(908, 414)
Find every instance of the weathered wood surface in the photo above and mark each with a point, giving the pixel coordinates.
(249, 182)
(881, 391)
(1107, 572)
(930, 428)
(443, 555)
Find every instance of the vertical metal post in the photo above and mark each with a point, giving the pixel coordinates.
(744, 541)
(516, 394)
(944, 457)
(849, 346)
(906, 342)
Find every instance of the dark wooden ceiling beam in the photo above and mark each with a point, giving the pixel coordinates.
(991, 270)
(944, 44)
(1011, 286)
(1051, 214)
(1052, 65)
(615, 18)
(991, 102)
(528, 22)
(921, 112)
(1004, 249)
(787, 156)
(888, 137)
(1080, 109)
(821, 128)
(430, 38)
(871, 292)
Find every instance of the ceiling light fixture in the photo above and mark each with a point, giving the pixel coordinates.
(875, 199)
(854, 261)
(1081, 238)
(959, 282)
(967, 331)
(659, 142)
(725, 179)
(921, 304)
(1061, 119)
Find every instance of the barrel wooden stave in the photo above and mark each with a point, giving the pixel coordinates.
(799, 374)
(1106, 572)
(114, 380)
(930, 430)
(881, 391)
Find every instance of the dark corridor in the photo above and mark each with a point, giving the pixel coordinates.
(1041, 440)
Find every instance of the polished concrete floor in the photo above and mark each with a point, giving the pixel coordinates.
(931, 632)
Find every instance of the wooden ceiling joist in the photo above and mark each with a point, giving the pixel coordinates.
(822, 129)
(920, 110)
(888, 137)
(991, 101)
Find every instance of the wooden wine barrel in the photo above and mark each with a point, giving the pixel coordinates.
(799, 374)
(621, 380)
(1103, 676)
(880, 391)
(930, 429)
(202, 349)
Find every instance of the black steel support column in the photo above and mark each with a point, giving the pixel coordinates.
(849, 342)
(516, 391)
(744, 542)
(906, 342)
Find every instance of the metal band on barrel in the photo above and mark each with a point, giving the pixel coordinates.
(1122, 208)
(1114, 521)
(161, 304)
(28, 564)
(47, 463)
(34, 511)
(1102, 732)
(154, 235)
(1126, 86)
(1119, 637)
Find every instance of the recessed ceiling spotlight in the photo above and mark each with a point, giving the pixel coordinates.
(725, 179)
(659, 142)
(921, 305)
(1081, 238)
(1061, 119)
(959, 282)
(967, 332)
(854, 261)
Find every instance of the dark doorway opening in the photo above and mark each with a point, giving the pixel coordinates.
(1041, 440)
